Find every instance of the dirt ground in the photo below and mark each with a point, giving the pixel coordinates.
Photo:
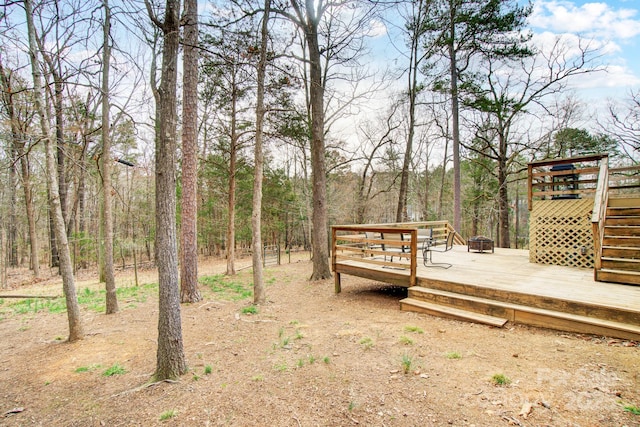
(307, 358)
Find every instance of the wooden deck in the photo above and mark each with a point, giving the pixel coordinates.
(500, 287)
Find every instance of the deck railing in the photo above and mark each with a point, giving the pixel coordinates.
(569, 178)
(384, 245)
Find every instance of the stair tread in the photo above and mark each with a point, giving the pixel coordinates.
(543, 311)
(610, 270)
(609, 258)
(458, 312)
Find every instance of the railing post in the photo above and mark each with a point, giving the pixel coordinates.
(336, 275)
(414, 256)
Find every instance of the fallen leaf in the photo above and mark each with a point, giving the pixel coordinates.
(13, 411)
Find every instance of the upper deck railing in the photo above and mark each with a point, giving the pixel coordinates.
(578, 177)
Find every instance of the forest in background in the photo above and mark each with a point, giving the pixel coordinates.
(388, 127)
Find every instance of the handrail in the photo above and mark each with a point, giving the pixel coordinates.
(601, 199)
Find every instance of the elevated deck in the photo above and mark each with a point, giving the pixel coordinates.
(500, 287)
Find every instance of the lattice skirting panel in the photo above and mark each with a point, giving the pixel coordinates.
(560, 233)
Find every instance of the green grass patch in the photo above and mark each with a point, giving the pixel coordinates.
(414, 329)
(86, 368)
(252, 309)
(228, 288)
(634, 409)
(500, 380)
(114, 369)
(89, 299)
(167, 415)
(366, 343)
(208, 369)
(453, 355)
(404, 340)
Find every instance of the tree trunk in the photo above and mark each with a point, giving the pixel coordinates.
(110, 281)
(320, 242)
(189, 227)
(455, 111)
(233, 155)
(259, 294)
(170, 359)
(503, 196)
(66, 268)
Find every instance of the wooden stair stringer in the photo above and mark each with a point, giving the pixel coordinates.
(448, 304)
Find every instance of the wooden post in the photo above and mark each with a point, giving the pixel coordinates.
(414, 256)
(338, 286)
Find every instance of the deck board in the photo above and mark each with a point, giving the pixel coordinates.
(510, 270)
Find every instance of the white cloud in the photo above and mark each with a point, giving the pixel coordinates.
(595, 19)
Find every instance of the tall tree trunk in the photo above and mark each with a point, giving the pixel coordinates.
(259, 294)
(320, 242)
(66, 268)
(503, 195)
(110, 281)
(170, 359)
(12, 238)
(233, 156)
(455, 112)
(189, 228)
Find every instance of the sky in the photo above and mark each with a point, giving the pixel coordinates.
(612, 25)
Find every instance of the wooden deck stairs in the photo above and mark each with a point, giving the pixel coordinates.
(620, 261)
(496, 307)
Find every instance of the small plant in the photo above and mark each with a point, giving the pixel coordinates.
(407, 361)
(326, 360)
(300, 363)
(208, 369)
(406, 340)
(312, 359)
(196, 377)
(634, 409)
(285, 341)
(280, 332)
(500, 380)
(257, 378)
(294, 322)
(453, 355)
(352, 406)
(86, 368)
(415, 329)
(167, 415)
(367, 343)
(299, 335)
(280, 367)
(115, 369)
(252, 309)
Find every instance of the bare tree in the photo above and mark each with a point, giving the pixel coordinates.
(505, 97)
(189, 228)
(624, 124)
(66, 267)
(170, 360)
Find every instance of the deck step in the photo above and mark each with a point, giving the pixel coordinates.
(622, 230)
(518, 313)
(623, 220)
(618, 276)
(410, 304)
(620, 252)
(623, 264)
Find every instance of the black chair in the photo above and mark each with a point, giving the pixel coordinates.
(432, 245)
